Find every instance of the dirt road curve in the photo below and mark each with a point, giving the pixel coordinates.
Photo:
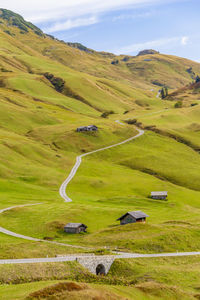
(64, 185)
(63, 195)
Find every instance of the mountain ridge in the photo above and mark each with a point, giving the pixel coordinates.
(147, 71)
(13, 19)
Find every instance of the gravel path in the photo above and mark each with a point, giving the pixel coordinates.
(63, 195)
(5, 231)
(75, 257)
(67, 199)
(64, 185)
(17, 235)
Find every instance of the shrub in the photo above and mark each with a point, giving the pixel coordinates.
(5, 70)
(156, 82)
(48, 238)
(178, 104)
(197, 79)
(194, 104)
(115, 62)
(57, 82)
(107, 113)
(126, 58)
(8, 32)
(131, 121)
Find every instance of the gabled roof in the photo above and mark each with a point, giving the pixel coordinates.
(90, 126)
(75, 225)
(159, 193)
(135, 214)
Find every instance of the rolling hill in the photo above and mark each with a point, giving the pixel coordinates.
(48, 88)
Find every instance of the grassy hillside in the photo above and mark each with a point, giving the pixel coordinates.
(71, 291)
(140, 279)
(48, 88)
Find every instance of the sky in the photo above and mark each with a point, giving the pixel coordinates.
(118, 26)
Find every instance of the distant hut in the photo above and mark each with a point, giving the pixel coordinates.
(75, 228)
(133, 217)
(87, 128)
(159, 195)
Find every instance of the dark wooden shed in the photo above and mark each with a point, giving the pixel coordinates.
(133, 217)
(75, 228)
(87, 128)
(159, 195)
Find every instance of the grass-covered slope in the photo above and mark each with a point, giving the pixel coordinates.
(143, 71)
(45, 95)
(49, 88)
(66, 290)
(134, 279)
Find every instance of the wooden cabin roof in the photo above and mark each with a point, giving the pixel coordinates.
(88, 127)
(135, 214)
(164, 193)
(91, 126)
(75, 225)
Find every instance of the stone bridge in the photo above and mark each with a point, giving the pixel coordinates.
(98, 265)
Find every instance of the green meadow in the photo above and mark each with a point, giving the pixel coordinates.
(83, 292)
(39, 145)
(141, 279)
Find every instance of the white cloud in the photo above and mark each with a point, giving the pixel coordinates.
(132, 16)
(61, 26)
(147, 45)
(39, 11)
(184, 40)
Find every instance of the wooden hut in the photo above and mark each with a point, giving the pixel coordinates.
(159, 195)
(75, 228)
(133, 217)
(87, 128)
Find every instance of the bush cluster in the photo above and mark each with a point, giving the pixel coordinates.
(107, 113)
(178, 104)
(197, 79)
(115, 62)
(57, 82)
(131, 121)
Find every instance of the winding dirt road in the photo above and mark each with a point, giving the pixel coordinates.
(64, 185)
(63, 195)
(17, 235)
(67, 199)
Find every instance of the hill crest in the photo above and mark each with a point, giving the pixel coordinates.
(12, 19)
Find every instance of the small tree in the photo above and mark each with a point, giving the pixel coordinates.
(197, 79)
(57, 82)
(166, 91)
(162, 93)
(107, 113)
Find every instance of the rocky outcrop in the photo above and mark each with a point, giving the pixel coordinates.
(148, 51)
